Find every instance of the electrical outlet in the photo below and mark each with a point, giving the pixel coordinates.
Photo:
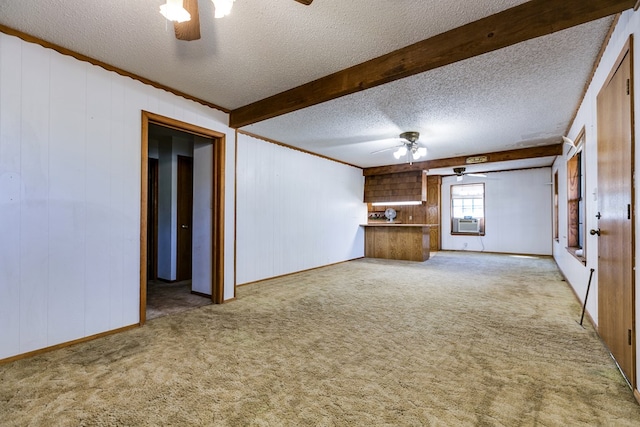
(410, 217)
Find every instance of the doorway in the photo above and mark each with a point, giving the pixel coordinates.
(205, 221)
(616, 244)
(185, 218)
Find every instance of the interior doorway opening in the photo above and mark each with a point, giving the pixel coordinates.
(182, 217)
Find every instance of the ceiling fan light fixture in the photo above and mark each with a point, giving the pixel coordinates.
(400, 152)
(419, 152)
(174, 10)
(222, 7)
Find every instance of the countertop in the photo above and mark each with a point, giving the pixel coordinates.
(396, 224)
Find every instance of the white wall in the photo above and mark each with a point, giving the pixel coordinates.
(517, 213)
(577, 274)
(70, 156)
(295, 211)
(202, 215)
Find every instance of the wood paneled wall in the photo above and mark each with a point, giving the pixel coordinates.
(433, 209)
(70, 188)
(396, 187)
(414, 214)
(295, 211)
(426, 213)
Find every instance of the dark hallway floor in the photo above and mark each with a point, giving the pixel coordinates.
(169, 298)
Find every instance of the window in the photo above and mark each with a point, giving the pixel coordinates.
(576, 199)
(467, 209)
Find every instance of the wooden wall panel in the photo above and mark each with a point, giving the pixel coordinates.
(11, 185)
(70, 148)
(67, 194)
(136, 97)
(395, 187)
(118, 281)
(295, 211)
(34, 228)
(413, 214)
(433, 205)
(98, 148)
(202, 224)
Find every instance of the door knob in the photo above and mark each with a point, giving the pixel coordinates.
(185, 226)
(593, 232)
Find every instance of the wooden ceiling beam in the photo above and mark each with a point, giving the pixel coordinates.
(529, 20)
(498, 156)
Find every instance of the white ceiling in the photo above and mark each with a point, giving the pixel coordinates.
(520, 96)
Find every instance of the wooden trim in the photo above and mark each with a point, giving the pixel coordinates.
(217, 212)
(282, 144)
(201, 294)
(217, 264)
(499, 156)
(526, 21)
(297, 272)
(144, 207)
(501, 170)
(575, 193)
(596, 64)
(636, 394)
(634, 349)
(80, 57)
(498, 253)
(67, 344)
(235, 217)
(637, 6)
(229, 300)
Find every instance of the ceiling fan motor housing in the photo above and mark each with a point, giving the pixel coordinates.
(459, 171)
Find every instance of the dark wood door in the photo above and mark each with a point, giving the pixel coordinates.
(184, 217)
(615, 244)
(152, 221)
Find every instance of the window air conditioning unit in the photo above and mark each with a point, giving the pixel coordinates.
(468, 225)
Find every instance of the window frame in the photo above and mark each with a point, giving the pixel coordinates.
(577, 200)
(481, 219)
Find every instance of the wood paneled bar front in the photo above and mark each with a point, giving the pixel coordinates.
(408, 242)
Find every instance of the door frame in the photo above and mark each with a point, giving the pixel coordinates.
(217, 212)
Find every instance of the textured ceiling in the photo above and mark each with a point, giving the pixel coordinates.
(516, 97)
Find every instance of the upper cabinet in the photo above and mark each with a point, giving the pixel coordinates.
(396, 187)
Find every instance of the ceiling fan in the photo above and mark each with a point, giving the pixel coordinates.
(460, 173)
(411, 145)
(186, 18)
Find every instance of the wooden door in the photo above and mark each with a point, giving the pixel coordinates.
(184, 217)
(152, 221)
(615, 206)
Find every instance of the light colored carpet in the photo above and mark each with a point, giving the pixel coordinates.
(460, 340)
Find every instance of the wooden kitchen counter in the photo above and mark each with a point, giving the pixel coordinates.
(397, 241)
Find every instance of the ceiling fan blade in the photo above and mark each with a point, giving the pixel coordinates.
(189, 30)
(305, 2)
(480, 175)
(387, 149)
